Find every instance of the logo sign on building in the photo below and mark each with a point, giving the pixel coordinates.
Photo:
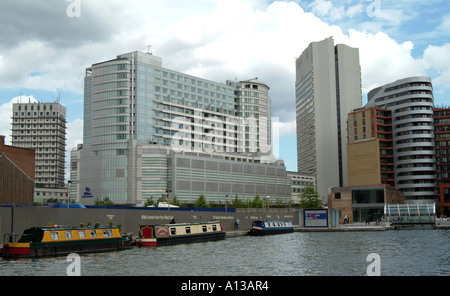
(87, 193)
(315, 218)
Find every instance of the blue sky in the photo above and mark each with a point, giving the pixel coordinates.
(47, 44)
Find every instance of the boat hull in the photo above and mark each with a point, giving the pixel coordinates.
(163, 241)
(256, 232)
(34, 250)
(184, 233)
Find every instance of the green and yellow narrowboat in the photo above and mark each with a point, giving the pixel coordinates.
(171, 234)
(53, 241)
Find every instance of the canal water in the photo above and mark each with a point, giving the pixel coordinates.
(418, 252)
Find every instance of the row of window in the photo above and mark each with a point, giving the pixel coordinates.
(81, 234)
(187, 229)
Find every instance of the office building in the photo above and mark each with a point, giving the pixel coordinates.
(327, 88)
(298, 183)
(133, 102)
(42, 127)
(219, 177)
(410, 102)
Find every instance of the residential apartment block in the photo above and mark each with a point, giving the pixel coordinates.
(442, 138)
(42, 127)
(410, 101)
(370, 155)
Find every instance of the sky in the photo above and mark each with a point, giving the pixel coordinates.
(46, 45)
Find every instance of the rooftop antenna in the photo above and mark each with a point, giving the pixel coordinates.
(148, 49)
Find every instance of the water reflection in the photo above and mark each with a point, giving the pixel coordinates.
(406, 252)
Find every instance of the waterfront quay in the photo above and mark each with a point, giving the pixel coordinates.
(236, 222)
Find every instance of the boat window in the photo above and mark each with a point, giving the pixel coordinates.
(107, 232)
(81, 234)
(262, 224)
(93, 233)
(68, 234)
(54, 235)
(204, 228)
(188, 229)
(214, 227)
(173, 231)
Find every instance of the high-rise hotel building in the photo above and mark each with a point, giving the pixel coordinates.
(42, 127)
(150, 131)
(327, 88)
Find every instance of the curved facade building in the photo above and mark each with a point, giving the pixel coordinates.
(410, 101)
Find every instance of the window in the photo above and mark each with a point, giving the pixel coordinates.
(54, 235)
(68, 234)
(107, 233)
(204, 228)
(173, 231)
(337, 195)
(214, 227)
(93, 233)
(81, 234)
(188, 229)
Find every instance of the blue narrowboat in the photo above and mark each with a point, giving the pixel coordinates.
(265, 227)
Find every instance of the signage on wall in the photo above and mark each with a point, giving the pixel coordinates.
(87, 193)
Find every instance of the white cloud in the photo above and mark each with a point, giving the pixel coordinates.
(217, 40)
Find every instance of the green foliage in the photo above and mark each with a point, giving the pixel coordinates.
(256, 202)
(201, 202)
(310, 198)
(237, 203)
(149, 202)
(175, 201)
(105, 202)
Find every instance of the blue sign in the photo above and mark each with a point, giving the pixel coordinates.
(87, 193)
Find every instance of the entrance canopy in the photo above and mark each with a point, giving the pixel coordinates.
(410, 213)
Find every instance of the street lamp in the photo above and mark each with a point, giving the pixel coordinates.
(226, 200)
(68, 193)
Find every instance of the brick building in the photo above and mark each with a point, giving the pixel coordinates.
(360, 202)
(442, 140)
(16, 174)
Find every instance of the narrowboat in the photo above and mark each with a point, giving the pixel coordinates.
(266, 227)
(57, 240)
(171, 234)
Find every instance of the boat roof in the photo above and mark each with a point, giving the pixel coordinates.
(69, 227)
(183, 224)
(270, 221)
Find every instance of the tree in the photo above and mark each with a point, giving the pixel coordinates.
(174, 201)
(149, 202)
(310, 198)
(105, 202)
(236, 202)
(201, 202)
(256, 202)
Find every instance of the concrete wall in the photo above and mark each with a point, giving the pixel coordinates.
(18, 219)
